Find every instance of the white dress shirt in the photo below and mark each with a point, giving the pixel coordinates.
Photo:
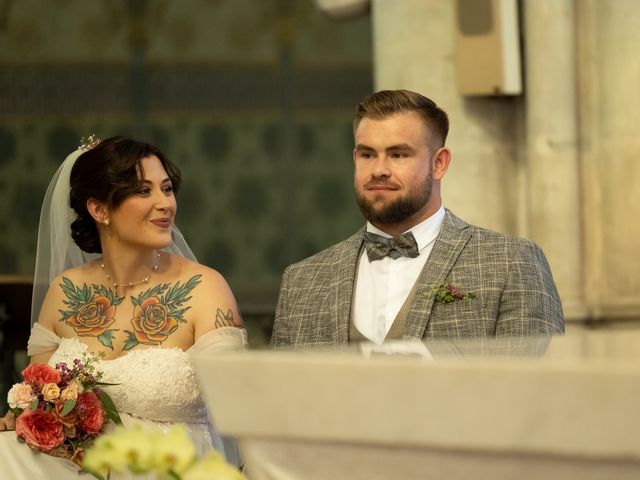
(382, 286)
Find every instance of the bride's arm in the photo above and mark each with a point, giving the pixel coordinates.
(214, 305)
(44, 339)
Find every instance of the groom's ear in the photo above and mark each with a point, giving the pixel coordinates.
(441, 159)
(98, 210)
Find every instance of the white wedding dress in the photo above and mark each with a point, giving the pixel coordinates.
(156, 385)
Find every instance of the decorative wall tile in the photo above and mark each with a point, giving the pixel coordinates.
(257, 118)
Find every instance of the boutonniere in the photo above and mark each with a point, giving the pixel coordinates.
(450, 292)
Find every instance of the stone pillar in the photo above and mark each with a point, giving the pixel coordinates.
(554, 214)
(609, 114)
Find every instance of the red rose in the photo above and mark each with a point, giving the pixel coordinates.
(41, 373)
(39, 429)
(90, 413)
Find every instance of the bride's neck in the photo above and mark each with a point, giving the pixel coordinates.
(128, 268)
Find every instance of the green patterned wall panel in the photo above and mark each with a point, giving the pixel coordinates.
(252, 100)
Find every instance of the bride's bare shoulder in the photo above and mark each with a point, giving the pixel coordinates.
(184, 268)
(77, 277)
(213, 302)
(61, 288)
(85, 273)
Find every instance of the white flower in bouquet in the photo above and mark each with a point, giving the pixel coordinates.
(20, 396)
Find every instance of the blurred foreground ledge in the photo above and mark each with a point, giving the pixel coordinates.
(554, 408)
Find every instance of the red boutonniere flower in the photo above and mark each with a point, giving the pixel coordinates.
(449, 292)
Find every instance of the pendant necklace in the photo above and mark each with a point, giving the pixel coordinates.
(132, 284)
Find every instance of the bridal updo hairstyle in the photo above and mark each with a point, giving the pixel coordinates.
(109, 172)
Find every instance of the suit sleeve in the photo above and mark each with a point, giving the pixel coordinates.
(280, 337)
(530, 304)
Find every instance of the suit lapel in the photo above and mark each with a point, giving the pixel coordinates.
(447, 248)
(340, 293)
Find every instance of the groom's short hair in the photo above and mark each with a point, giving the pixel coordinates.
(382, 104)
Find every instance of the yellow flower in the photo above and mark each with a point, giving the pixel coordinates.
(212, 466)
(50, 392)
(172, 450)
(97, 460)
(167, 454)
(121, 450)
(72, 390)
(133, 448)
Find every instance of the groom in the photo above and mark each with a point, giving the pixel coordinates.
(416, 270)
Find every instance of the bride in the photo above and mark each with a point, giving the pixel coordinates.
(123, 282)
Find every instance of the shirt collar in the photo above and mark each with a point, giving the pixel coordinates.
(425, 232)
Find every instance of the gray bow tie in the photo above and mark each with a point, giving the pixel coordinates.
(379, 247)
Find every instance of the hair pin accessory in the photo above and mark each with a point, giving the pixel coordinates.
(89, 143)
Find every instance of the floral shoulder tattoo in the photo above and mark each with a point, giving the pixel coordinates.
(158, 312)
(91, 310)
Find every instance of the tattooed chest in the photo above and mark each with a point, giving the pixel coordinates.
(149, 318)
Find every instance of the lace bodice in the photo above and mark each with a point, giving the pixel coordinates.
(156, 384)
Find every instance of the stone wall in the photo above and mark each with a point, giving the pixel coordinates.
(556, 164)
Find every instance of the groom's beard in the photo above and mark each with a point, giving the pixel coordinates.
(397, 210)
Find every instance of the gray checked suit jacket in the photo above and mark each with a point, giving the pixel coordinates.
(514, 291)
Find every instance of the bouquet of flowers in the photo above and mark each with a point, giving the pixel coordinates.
(168, 455)
(60, 411)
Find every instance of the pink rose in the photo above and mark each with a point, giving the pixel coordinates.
(39, 429)
(41, 373)
(20, 395)
(90, 413)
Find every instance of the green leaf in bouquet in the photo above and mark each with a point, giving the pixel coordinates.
(68, 406)
(34, 404)
(109, 407)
